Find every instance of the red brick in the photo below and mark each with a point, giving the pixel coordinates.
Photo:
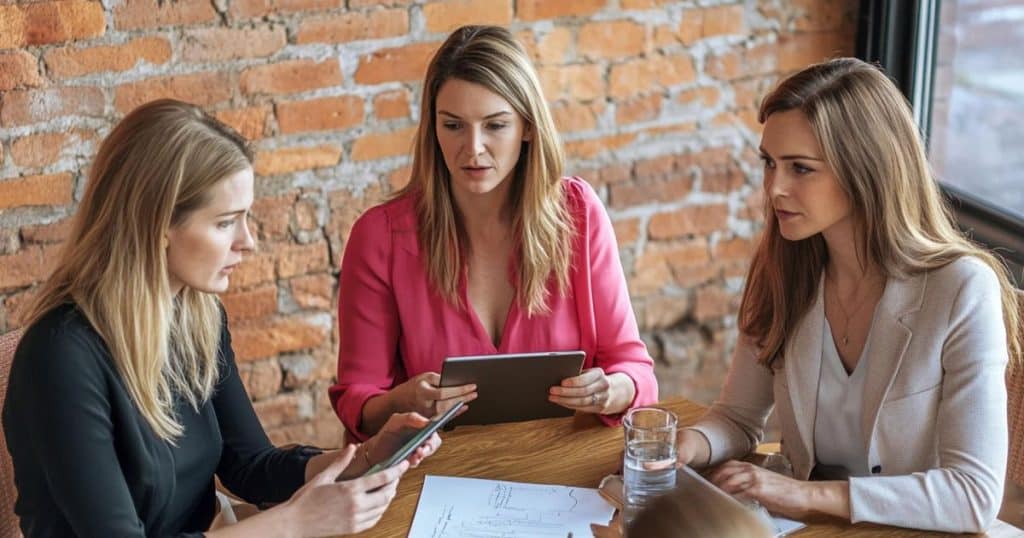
(244, 9)
(135, 14)
(354, 26)
(551, 47)
(285, 160)
(67, 62)
(49, 22)
(291, 76)
(638, 76)
(54, 232)
(590, 148)
(217, 44)
(295, 260)
(583, 82)
(532, 10)
(274, 214)
(723, 20)
(52, 189)
(200, 88)
(37, 150)
(572, 116)
(818, 16)
(324, 114)
(379, 145)
(380, 3)
(18, 69)
(271, 338)
(22, 268)
(283, 409)
(661, 167)
(712, 302)
(450, 14)
(637, 109)
(696, 220)
(644, 192)
(250, 122)
(706, 97)
(391, 104)
(663, 311)
(611, 39)
(797, 51)
(644, 4)
(314, 291)
(256, 303)
(627, 231)
(402, 64)
(734, 249)
(399, 178)
(659, 263)
(22, 107)
(262, 378)
(257, 268)
(676, 127)
(307, 214)
(17, 305)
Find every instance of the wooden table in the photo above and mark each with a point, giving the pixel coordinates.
(576, 451)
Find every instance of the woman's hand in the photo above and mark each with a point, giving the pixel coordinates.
(781, 495)
(324, 507)
(422, 394)
(594, 392)
(692, 448)
(394, 434)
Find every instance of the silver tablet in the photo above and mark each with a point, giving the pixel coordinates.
(513, 387)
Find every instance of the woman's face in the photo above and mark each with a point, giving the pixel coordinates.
(480, 135)
(804, 192)
(203, 249)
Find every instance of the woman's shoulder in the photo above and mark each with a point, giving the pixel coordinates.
(964, 271)
(398, 213)
(63, 338)
(579, 191)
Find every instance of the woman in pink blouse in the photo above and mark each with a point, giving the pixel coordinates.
(487, 250)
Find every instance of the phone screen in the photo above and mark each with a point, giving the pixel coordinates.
(416, 440)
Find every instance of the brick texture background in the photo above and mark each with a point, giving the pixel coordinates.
(656, 101)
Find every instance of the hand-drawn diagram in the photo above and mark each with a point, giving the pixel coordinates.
(470, 508)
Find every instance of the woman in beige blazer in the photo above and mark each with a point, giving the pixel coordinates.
(876, 330)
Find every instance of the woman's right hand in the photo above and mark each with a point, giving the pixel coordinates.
(692, 448)
(324, 507)
(422, 394)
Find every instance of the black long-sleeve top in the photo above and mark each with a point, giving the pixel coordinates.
(87, 463)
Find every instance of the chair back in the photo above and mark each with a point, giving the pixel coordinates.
(8, 494)
(1015, 393)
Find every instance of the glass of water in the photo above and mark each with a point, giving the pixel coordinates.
(649, 468)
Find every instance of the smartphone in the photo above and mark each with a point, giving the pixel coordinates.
(417, 439)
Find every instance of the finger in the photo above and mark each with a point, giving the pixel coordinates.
(601, 385)
(447, 393)
(585, 378)
(402, 421)
(578, 404)
(380, 478)
(330, 474)
(432, 378)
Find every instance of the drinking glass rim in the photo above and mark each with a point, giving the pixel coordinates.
(626, 419)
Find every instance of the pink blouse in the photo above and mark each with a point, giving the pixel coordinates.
(393, 325)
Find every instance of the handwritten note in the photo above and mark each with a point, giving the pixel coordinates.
(452, 507)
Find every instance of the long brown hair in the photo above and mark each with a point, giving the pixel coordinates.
(152, 171)
(491, 56)
(867, 133)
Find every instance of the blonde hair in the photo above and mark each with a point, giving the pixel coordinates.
(691, 512)
(152, 171)
(491, 57)
(867, 133)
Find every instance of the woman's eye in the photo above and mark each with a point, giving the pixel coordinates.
(225, 224)
(767, 162)
(801, 169)
(451, 125)
(497, 126)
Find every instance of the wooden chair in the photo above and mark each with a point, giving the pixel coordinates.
(8, 494)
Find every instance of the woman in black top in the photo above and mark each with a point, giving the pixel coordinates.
(124, 399)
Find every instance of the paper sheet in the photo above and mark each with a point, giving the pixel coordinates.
(452, 507)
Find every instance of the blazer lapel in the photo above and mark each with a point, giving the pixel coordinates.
(803, 369)
(889, 340)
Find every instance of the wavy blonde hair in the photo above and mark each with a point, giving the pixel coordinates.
(491, 57)
(152, 171)
(867, 133)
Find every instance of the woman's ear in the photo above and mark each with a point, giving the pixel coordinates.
(528, 133)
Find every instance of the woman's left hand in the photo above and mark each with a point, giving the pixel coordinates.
(395, 433)
(780, 494)
(594, 392)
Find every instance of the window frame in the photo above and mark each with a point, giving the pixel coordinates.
(886, 31)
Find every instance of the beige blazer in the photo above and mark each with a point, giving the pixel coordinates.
(934, 411)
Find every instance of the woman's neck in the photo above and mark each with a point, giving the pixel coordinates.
(846, 267)
(485, 216)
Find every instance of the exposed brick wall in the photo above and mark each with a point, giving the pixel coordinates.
(656, 101)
